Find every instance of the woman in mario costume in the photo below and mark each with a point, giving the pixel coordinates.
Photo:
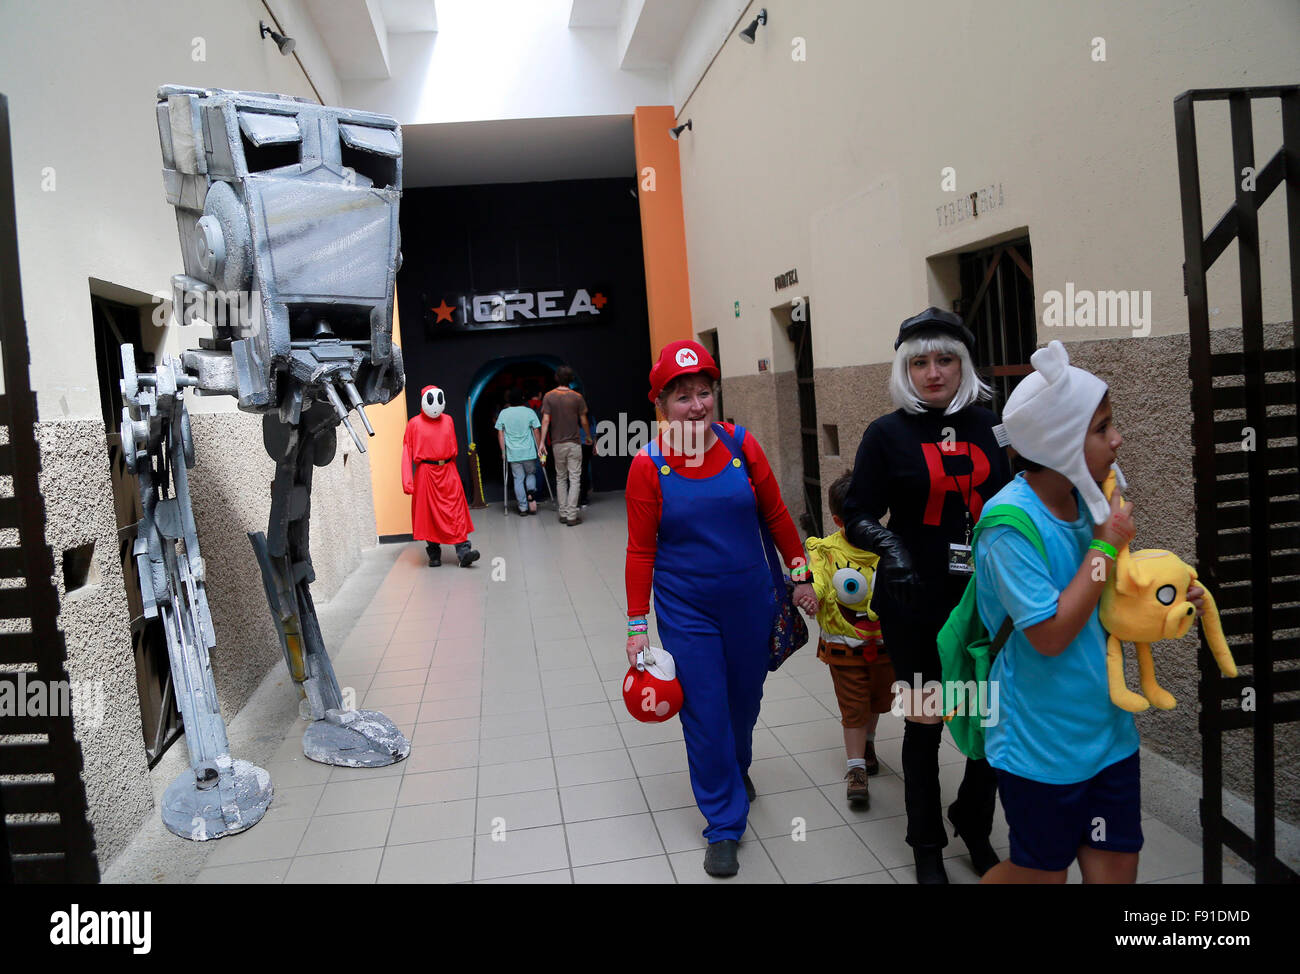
(695, 494)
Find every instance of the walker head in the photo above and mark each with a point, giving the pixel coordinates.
(288, 219)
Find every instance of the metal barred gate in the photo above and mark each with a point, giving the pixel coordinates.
(44, 832)
(1247, 499)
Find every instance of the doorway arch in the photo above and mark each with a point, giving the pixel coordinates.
(484, 452)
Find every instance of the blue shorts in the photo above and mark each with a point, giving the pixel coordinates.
(1049, 823)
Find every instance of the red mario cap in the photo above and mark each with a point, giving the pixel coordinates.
(681, 358)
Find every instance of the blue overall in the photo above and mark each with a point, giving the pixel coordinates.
(714, 604)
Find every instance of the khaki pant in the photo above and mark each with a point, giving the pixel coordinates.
(568, 477)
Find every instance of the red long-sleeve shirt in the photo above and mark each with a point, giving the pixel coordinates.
(645, 505)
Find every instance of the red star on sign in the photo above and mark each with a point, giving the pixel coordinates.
(599, 300)
(443, 311)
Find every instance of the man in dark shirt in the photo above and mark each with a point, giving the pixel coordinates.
(564, 415)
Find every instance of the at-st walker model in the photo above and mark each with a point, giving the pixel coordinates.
(287, 214)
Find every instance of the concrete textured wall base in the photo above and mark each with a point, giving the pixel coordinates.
(1150, 393)
(766, 404)
(96, 628)
(230, 485)
(850, 399)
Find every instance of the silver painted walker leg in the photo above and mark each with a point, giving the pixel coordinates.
(339, 734)
(219, 795)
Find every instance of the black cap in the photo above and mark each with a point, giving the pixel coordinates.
(933, 319)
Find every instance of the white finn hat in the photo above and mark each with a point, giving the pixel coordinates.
(1046, 420)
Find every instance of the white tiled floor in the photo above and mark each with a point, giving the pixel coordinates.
(525, 766)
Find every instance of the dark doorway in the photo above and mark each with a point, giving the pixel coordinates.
(798, 327)
(117, 324)
(471, 250)
(709, 339)
(997, 301)
(533, 378)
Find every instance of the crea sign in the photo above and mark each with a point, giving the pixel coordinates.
(519, 308)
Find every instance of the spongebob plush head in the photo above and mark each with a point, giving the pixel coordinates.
(843, 578)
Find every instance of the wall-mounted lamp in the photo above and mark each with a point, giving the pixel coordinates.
(747, 35)
(286, 44)
(677, 132)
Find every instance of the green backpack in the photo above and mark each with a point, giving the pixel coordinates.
(965, 650)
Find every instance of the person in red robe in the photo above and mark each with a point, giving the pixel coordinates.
(439, 511)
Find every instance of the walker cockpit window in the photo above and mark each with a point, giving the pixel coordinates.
(270, 141)
(371, 153)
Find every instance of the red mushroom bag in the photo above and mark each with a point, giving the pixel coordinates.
(651, 689)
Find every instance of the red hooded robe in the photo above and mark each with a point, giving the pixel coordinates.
(439, 511)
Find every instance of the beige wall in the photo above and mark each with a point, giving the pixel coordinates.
(833, 165)
(81, 80)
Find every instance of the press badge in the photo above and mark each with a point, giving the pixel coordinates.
(960, 561)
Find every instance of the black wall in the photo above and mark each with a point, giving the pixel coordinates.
(530, 236)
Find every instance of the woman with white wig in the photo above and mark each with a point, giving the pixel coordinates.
(931, 464)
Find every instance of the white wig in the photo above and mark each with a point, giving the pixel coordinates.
(903, 392)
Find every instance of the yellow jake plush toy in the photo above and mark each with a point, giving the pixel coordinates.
(843, 578)
(1145, 600)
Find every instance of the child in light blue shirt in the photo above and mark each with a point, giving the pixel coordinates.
(1056, 722)
(517, 433)
(1065, 756)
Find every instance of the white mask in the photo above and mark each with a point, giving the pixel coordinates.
(432, 402)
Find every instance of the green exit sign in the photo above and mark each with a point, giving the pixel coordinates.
(737, 309)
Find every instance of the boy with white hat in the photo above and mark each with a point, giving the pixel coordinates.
(1066, 758)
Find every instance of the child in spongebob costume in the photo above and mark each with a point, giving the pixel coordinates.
(851, 644)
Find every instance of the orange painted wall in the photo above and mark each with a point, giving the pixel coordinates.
(663, 227)
(392, 507)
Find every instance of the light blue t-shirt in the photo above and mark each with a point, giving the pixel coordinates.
(518, 423)
(1056, 723)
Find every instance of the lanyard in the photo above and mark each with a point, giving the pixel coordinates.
(969, 492)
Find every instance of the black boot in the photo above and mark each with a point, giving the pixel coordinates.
(721, 859)
(465, 554)
(921, 785)
(435, 553)
(971, 814)
(929, 866)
